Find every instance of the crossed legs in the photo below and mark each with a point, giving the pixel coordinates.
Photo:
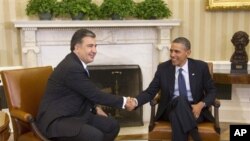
(182, 120)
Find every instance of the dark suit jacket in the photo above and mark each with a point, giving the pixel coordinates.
(71, 94)
(201, 84)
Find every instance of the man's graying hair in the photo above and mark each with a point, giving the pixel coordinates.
(184, 41)
(78, 35)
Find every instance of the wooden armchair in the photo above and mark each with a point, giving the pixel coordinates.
(24, 89)
(161, 130)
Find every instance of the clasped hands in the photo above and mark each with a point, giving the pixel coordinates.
(131, 103)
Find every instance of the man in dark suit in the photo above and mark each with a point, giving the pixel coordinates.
(69, 111)
(183, 107)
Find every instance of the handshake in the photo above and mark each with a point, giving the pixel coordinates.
(131, 103)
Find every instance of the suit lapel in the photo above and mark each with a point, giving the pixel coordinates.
(171, 79)
(192, 76)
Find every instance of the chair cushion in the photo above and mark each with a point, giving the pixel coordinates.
(162, 130)
(4, 126)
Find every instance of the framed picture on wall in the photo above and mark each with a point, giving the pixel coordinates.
(227, 4)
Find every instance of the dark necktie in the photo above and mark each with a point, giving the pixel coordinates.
(182, 84)
(87, 71)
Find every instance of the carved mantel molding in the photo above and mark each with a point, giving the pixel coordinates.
(35, 34)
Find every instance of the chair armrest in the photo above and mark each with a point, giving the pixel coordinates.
(153, 103)
(156, 100)
(21, 115)
(216, 105)
(28, 118)
(152, 118)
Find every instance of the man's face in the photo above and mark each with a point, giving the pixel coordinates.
(179, 54)
(86, 50)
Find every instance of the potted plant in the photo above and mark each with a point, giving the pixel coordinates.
(43, 8)
(76, 9)
(94, 12)
(152, 9)
(117, 9)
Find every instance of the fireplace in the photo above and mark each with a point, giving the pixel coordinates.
(122, 80)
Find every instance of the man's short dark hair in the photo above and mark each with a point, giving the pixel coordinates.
(184, 41)
(78, 35)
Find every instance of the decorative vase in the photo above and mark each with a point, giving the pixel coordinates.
(79, 16)
(116, 17)
(45, 16)
(153, 18)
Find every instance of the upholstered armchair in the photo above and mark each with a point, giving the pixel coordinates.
(24, 89)
(161, 130)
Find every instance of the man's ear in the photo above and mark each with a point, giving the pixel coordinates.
(188, 52)
(77, 46)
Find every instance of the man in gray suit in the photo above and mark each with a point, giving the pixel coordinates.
(69, 111)
(184, 98)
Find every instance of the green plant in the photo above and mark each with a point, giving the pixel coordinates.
(152, 9)
(36, 7)
(74, 7)
(60, 9)
(120, 8)
(94, 12)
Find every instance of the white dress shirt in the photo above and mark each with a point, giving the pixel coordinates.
(186, 77)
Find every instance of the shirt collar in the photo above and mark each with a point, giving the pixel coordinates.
(184, 67)
(84, 65)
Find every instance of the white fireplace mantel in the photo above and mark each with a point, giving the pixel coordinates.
(35, 34)
(98, 23)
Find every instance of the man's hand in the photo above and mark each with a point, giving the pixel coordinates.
(130, 104)
(100, 112)
(196, 109)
